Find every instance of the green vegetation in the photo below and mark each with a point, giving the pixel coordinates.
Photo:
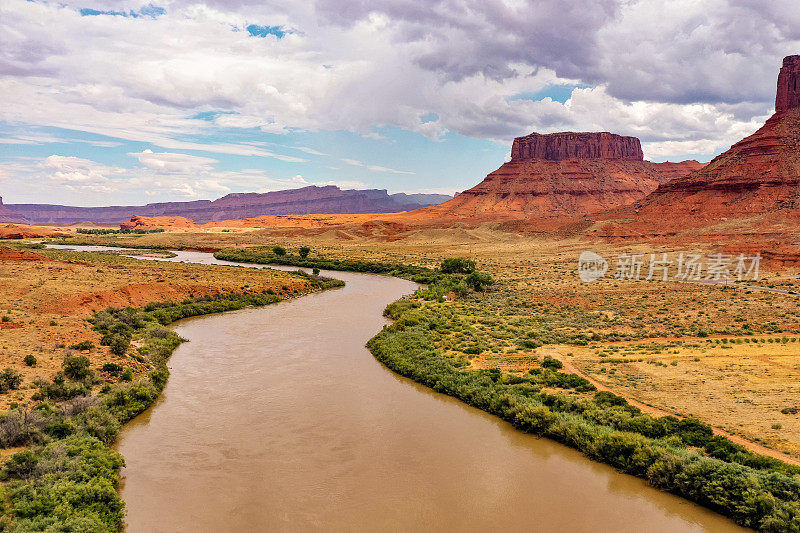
(266, 256)
(457, 265)
(85, 345)
(67, 479)
(9, 379)
(456, 275)
(681, 456)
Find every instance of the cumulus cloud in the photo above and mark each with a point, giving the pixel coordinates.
(77, 173)
(680, 74)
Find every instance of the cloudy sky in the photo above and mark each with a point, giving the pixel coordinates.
(118, 102)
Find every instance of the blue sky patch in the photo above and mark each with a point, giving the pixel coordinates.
(145, 11)
(262, 31)
(559, 93)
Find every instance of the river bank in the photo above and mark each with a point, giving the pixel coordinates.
(66, 476)
(281, 416)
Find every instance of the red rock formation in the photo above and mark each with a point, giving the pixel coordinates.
(560, 176)
(149, 223)
(759, 175)
(788, 95)
(569, 145)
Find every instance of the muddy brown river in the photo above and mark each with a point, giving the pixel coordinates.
(278, 419)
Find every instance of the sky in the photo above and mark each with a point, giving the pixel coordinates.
(117, 102)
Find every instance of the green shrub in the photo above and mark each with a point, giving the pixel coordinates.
(76, 367)
(112, 368)
(84, 345)
(9, 379)
(30, 360)
(478, 281)
(304, 251)
(457, 265)
(551, 363)
(279, 251)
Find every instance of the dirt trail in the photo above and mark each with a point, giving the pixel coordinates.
(750, 445)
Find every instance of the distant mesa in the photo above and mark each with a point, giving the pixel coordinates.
(569, 145)
(7, 215)
(759, 175)
(559, 176)
(328, 199)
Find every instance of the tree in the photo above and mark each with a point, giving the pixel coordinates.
(457, 265)
(478, 281)
(279, 251)
(76, 367)
(304, 251)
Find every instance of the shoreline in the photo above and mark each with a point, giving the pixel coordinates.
(92, 431)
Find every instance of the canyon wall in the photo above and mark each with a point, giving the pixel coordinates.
(570, 145)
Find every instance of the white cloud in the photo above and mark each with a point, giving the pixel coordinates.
(171, 163)
(680, 74)
(77, 173)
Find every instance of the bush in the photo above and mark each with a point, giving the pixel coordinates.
(60, 389)
(112, 368)
(81, 346)
(30, 360)
(119, 344)
(279, 251)
(606, 398)
(76, 367)
(304, 251)
(551, 363)
(9, 379)
(478, 281)
(457, 265)
(21, 427)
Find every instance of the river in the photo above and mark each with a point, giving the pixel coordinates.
(279, 419)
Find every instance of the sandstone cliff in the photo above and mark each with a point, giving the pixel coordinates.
(759, 175)
(561, 176)
(569, 145)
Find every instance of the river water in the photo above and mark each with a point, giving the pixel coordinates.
(278, 419)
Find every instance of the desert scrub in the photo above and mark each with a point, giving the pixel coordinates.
(67, 479)
(681, 456)
(266, 256)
